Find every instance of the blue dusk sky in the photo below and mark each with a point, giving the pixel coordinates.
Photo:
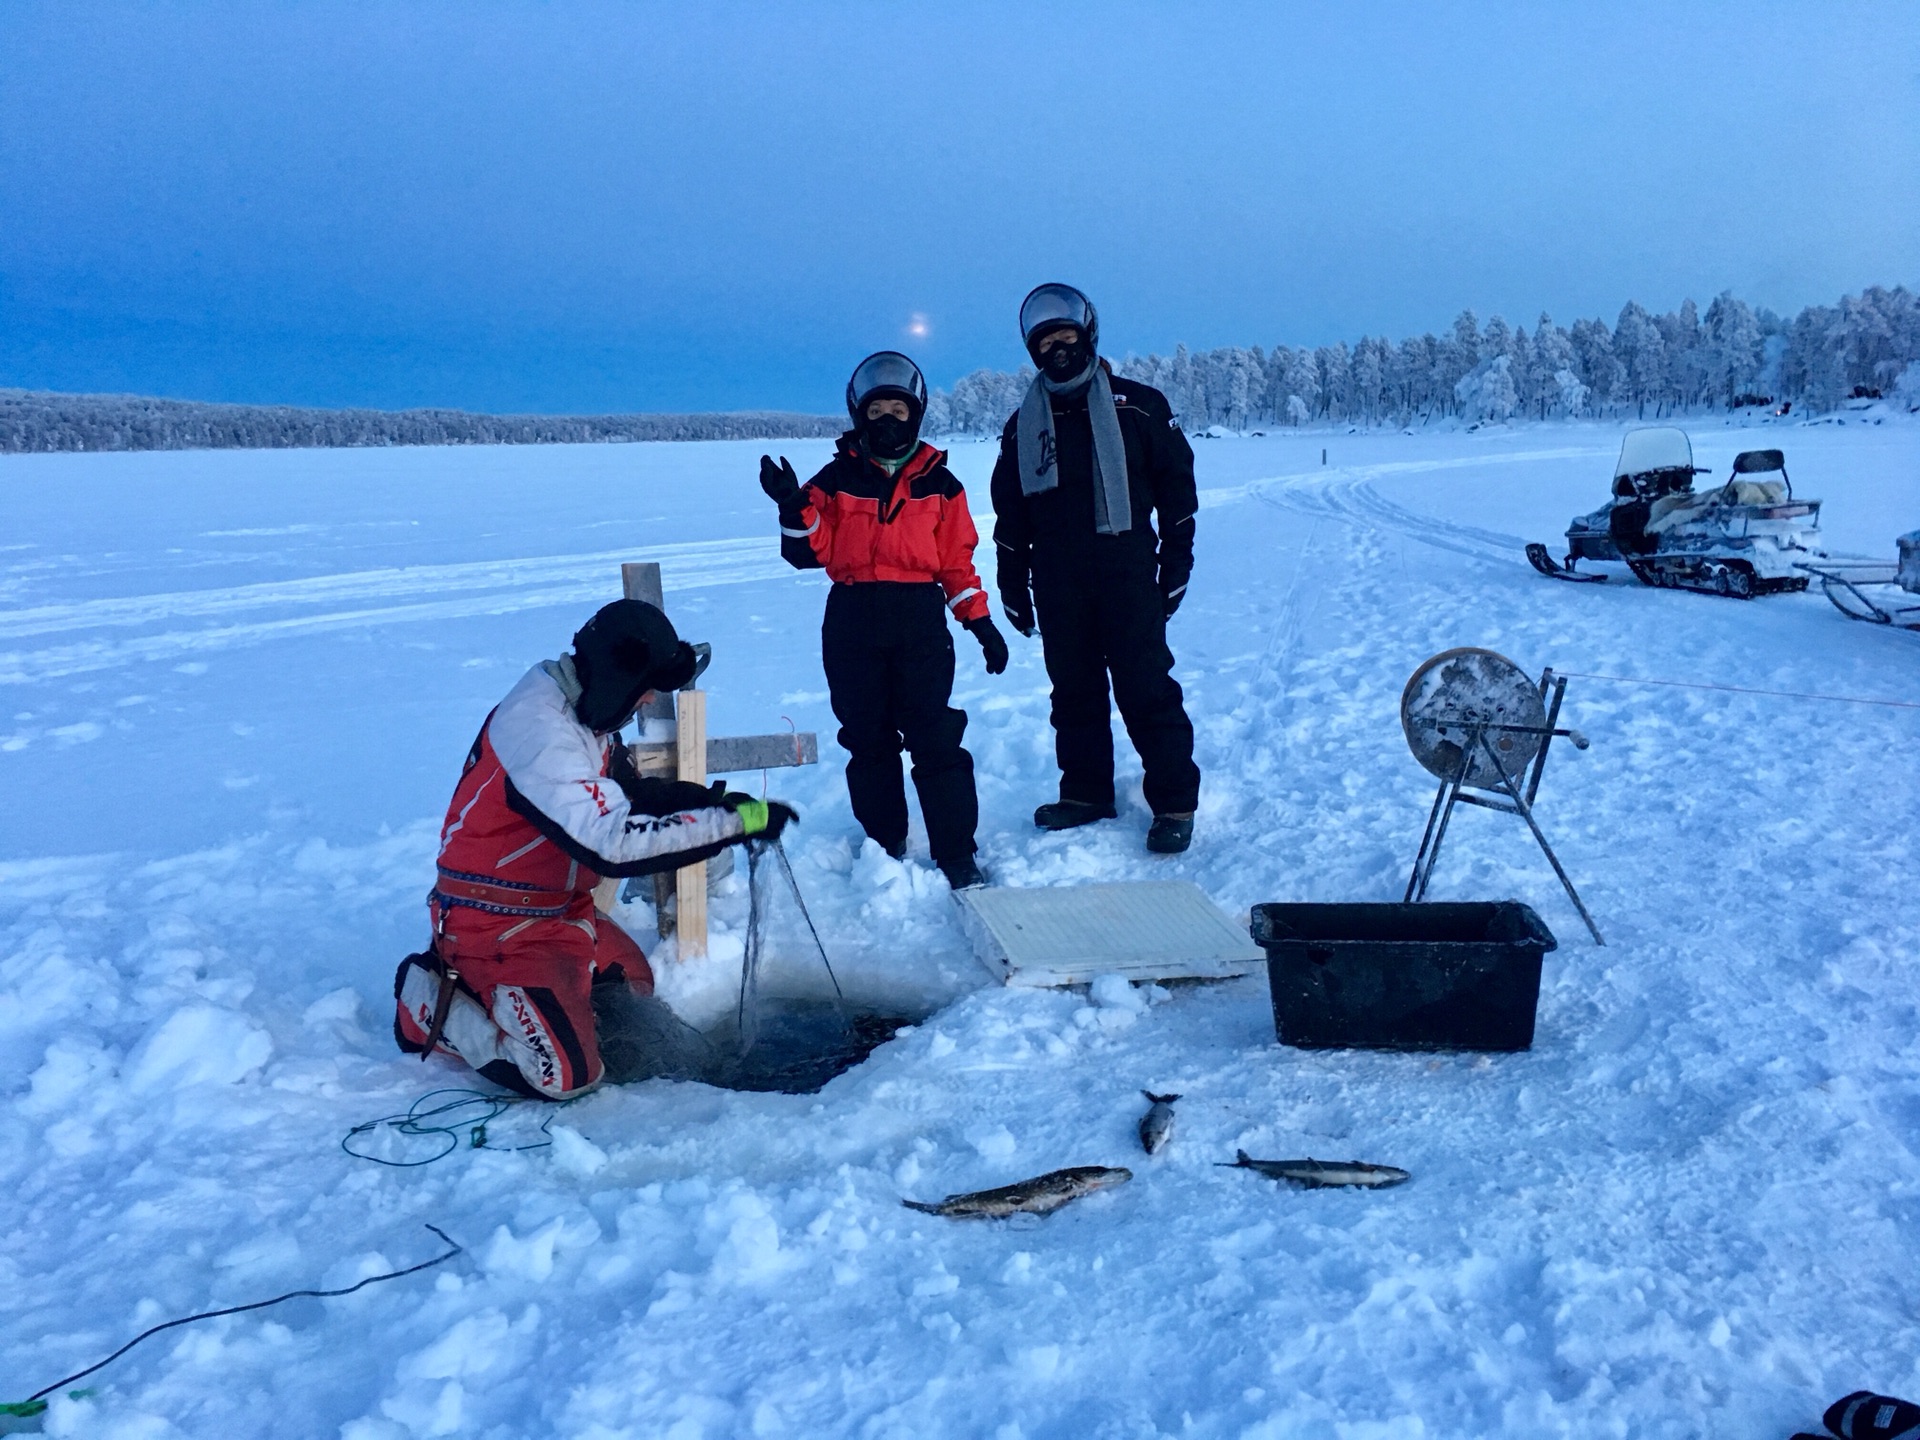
(594, 207)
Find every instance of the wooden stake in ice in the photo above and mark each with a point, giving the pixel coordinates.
(692, 755)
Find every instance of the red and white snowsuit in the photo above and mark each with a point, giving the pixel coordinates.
(533, 826)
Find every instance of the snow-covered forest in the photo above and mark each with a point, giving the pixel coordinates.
(43, 422)
(1646, 365)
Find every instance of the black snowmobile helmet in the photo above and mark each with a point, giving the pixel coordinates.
(886, 375)
(1050, 306)
(625, 650)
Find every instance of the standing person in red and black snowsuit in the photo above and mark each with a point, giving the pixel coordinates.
(547, 804)
(888, 522)
(1085, 464)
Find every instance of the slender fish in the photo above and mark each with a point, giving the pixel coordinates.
(1041, 1195)
(1318, 1174)
(1156, 1126)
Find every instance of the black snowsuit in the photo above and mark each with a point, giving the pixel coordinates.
(1101, 600)
(900, 551)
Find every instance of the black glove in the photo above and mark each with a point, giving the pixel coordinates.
(993, 644)
(779, 481)
(1173, 589)
(1018, 606)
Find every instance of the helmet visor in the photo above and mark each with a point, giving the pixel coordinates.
(1051, 305)
(889, 370)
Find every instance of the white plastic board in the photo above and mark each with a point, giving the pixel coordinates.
(1066, 935)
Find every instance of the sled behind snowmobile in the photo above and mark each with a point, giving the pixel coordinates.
(1748, 537)
(1875, 591)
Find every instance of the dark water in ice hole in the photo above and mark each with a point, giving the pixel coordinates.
(801, 1044)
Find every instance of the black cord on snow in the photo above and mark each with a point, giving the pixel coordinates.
(414, 1122)
(453, 1249)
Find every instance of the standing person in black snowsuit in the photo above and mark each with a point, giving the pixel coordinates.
(888, 522)
(1085, 464)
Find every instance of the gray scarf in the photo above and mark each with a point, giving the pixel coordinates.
(1039, 455)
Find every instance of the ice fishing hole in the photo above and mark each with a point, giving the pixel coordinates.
(800, 1044)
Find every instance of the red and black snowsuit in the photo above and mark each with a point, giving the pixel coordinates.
(899, 549)
(534, 824)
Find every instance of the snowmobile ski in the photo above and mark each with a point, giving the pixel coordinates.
(1543, 562)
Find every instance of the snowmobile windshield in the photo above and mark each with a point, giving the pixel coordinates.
(1662, 447)
(886, 373)
(1053, 304)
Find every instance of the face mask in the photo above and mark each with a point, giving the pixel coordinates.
(1067, 361)
(889, 437)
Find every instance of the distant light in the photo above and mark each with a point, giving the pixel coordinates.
(919, 326)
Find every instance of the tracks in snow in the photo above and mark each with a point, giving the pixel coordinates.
(1347, 494)
(352, 601)
(274, 610)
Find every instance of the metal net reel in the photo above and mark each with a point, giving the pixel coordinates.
(1476, 723)
(1460, 690)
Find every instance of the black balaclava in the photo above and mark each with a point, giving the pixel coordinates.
(625, 650)
(1066, 362)
(889, 438)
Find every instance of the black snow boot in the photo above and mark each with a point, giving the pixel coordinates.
(964, 874)
(1170, 834)
(1864, 1415)
(1068, 814)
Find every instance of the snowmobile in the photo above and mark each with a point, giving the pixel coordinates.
(1874, 590)
(1747, 537)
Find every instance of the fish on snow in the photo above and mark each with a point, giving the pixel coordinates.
(1319, 1174)
(1156, 1126)
(1041, 1195)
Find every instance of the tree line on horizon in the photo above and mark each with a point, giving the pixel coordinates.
(39, 421)
(1646, 365)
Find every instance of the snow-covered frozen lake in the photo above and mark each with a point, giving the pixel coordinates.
(235, 689)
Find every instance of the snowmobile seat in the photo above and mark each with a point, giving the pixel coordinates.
(1659, 512)
(1757, 462)
(1755, 492)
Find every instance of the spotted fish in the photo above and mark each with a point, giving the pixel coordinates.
(1041, 1195)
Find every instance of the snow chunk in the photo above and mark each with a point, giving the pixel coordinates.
(1116, 992)
(71, 1068)
(199, 1045)
(995, 1144)
(574, 1153)
(477, 1344)
(336, 1007)
(749, 1251)
(1035, 1362)
(532, 1258)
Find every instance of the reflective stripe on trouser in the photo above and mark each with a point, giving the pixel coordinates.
(524, 1014)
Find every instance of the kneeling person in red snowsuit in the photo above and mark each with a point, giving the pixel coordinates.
(547, 804)
(888, 522)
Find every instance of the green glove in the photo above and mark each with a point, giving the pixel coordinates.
(752, 813)
(760, 817)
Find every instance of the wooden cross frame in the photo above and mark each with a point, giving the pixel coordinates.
(693, 755)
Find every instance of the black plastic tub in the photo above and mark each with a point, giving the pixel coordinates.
(1404, 977)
